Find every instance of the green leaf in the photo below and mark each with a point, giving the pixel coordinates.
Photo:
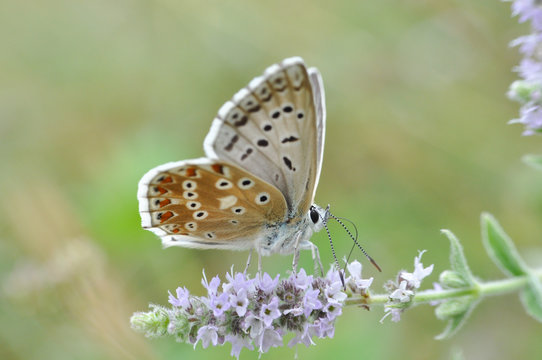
(533, 160)
(452, 280)
(453, 308)
(500, 247)
(455, 323)
(531, 297)
(458, 261)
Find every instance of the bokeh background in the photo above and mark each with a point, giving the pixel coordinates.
(95, 93)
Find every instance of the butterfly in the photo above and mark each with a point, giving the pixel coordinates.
(255, 188)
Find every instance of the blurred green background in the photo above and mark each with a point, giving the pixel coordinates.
(95, 93)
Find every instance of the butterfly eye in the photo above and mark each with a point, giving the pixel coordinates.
(315, 217)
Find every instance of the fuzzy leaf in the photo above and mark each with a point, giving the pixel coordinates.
(458, 261)
(455, 323)
(452, 280)
(453, 308)
(500, 247)
(533, 160)
(531, 297)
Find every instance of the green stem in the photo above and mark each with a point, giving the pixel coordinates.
(479, 289)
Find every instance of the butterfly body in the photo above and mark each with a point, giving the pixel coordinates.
(255, 187)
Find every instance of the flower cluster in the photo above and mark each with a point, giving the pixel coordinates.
(528, 90)
(401, 292)
(255, 313)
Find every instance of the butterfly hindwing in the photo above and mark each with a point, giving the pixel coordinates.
(205, 203)
(274, 129)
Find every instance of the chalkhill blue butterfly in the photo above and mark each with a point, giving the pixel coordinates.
(255, 188)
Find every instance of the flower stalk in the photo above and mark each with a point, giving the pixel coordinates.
(483, 289)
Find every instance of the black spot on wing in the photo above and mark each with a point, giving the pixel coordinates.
(232, 142)
(288, 163)
(289, 139)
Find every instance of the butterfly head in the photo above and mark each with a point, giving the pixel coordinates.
(318, 217)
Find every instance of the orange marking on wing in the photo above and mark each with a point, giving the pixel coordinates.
(175, 230)
(165, 202)
(190, 172)
(167, 180)
(161, 190)
(165, 216)
(218, 168)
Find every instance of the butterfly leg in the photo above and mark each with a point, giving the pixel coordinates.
(316, 259)
(248, 260)
(296, 254)
(259, 263)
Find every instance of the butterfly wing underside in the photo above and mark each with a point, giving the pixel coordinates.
(274, 128)
(205, 203)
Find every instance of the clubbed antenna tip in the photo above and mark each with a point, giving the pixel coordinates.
(374, 263)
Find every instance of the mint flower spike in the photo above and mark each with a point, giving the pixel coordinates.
(402, 291)
(255, 313)
(528, 90)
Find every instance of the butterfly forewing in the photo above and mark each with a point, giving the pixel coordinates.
(273, 129)
(208, 203)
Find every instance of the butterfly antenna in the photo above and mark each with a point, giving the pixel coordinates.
(333, 251)
(354, 239)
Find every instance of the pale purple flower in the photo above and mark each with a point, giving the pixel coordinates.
(270, 312)
(311, 302)
(531, 117)
(219, 304)
(238, 343)
(394, 312)
(402, 294)
(528, 10)
(322, 328)
(334, 291)
(211, 287)
(267, 283)
(208, 335)
(301, 279)
(253, 324)
(239, 301)
(267, 339)
(333, 309)
(529, 69)
(302, 337)
(415, 278)
(237, 282)
(403, 289)
(355, 282)
(528, 45)
(182, 299)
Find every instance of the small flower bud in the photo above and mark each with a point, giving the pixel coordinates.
(153, 323)
(453, 308)
(452, 279)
